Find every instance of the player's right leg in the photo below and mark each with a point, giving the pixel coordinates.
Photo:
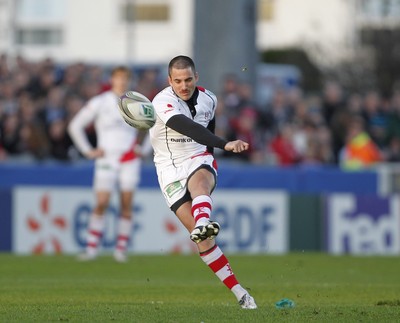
(215, 259)
(103, 183)
(96, 226)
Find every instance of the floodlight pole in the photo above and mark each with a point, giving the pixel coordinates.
(225, 40)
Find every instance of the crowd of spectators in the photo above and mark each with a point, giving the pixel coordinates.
(353, 130)
(38, 99)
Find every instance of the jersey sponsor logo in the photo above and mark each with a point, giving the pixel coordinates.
(173, 188)
(181, 140)
(170, 108)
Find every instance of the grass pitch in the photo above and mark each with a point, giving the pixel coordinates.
(177, 288)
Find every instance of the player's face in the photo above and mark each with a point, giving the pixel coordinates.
(120, 82)
(183, 82)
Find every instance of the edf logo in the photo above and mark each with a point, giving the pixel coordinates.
(81, 219)
(252, 221)
(362, 224)
(249, 227)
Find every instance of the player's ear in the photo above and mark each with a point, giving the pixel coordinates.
(169, 80)
(196, 76)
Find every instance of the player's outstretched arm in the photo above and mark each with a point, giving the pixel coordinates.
(203, 135)
(236, 146)
(197, 132)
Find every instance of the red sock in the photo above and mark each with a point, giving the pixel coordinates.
(122, 243)
(95, 231)
(216, 260)
(124, 232)
(201, 209)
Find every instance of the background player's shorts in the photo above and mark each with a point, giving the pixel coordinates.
(110, 173)
(173, 179)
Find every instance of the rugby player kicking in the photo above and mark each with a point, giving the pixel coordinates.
(183, 140)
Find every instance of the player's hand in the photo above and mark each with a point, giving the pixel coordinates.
(95, 153)
(236, 146)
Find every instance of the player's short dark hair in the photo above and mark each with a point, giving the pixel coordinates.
(121, 69)
(181, 62)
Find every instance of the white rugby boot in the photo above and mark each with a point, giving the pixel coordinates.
(86, 256)
(247, 302)
(120, 256)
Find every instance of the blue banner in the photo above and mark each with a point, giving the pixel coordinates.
(5, 220)
(362, 224)
(311, 180)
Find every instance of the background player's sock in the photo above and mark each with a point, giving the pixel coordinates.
(216, 260)
(95, 232)
(201, 209)
(123, 234)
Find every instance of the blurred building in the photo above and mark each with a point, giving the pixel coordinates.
(152, 31)
(102, 31)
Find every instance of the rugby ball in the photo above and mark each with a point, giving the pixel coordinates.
(137, 110)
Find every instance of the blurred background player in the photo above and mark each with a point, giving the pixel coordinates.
(118, 161)
(183, 140)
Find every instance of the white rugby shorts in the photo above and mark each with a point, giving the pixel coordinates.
(173, 178)
(110, 173)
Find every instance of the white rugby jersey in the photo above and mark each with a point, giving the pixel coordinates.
(171, 147)
(114, 136)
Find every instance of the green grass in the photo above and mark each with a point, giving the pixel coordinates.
(182, 289)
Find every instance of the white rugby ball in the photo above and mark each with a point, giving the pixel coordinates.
(137, 110)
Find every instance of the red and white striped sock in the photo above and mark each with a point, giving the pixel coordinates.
(201, 209)
(216, 260)
(95, 232)
(123, 234)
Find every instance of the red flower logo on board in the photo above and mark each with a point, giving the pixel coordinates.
(37, 224)
(185, 245)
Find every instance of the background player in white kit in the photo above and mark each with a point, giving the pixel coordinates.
(183, 140)
(117, 161)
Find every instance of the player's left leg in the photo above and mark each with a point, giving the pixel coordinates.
(200, 185)
(215, 259)
(124, 227)
(104, 181)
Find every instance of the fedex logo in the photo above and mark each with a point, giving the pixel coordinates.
(362, 224)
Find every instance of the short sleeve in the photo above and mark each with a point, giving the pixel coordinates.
(166, 108)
